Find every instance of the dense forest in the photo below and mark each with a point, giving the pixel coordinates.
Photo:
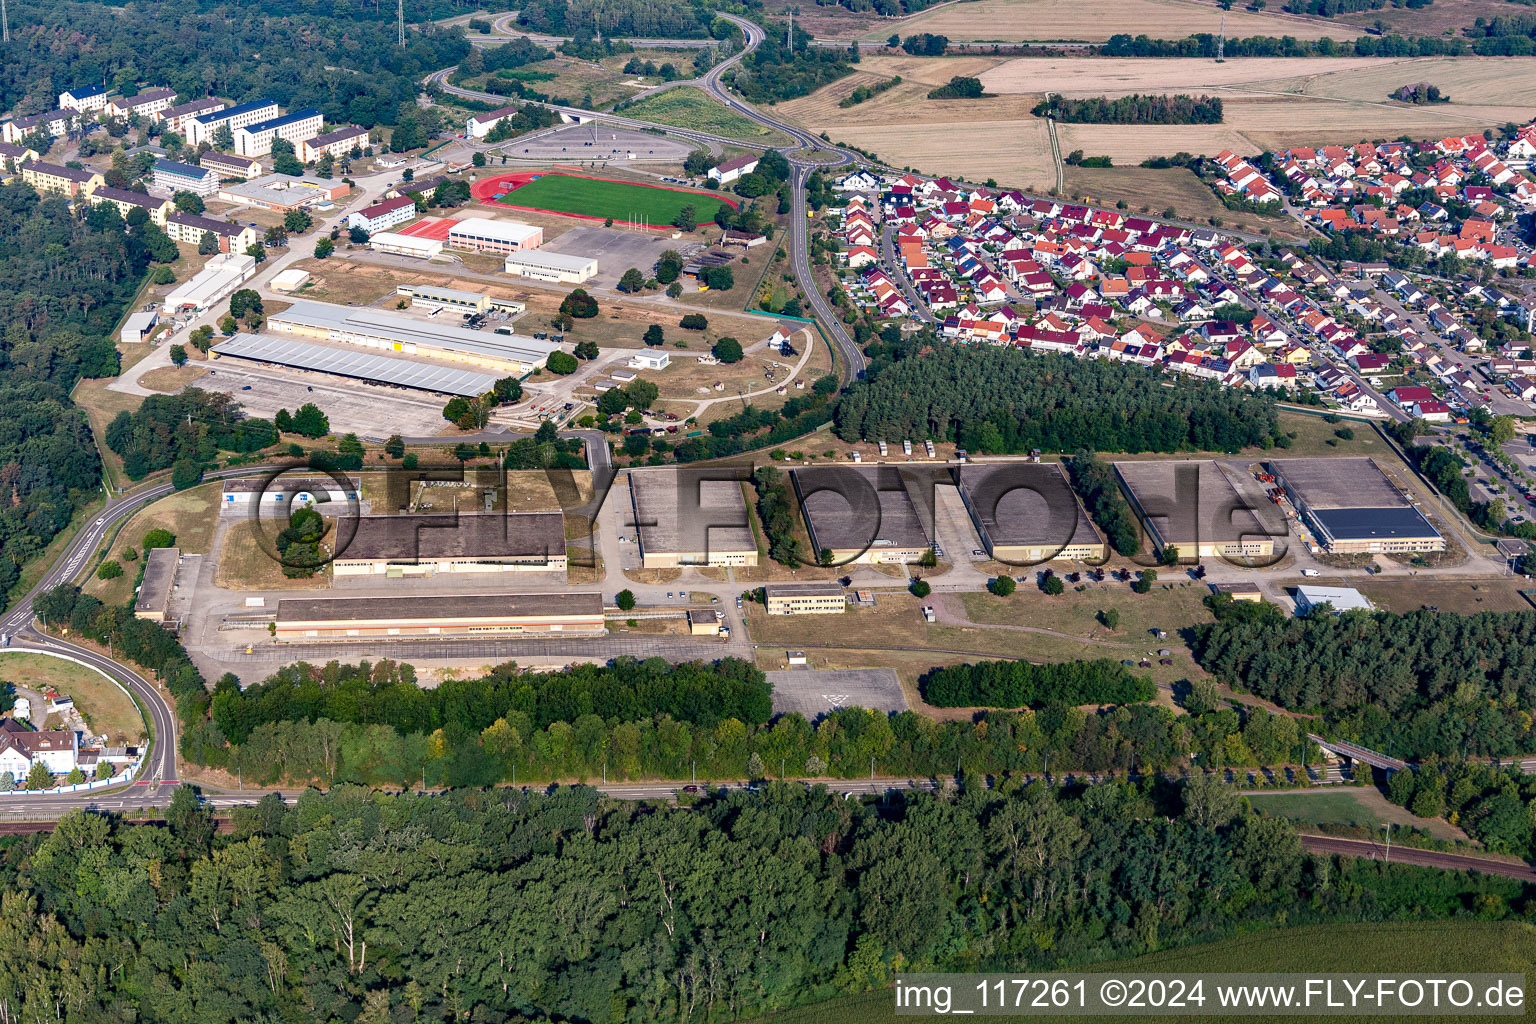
(351, 70)
(1495, 805)
(1001, 400)
(63, 285)
(617, 18)
(1014, 684)
(372, 908)
(1133, 109)
(1411, 685)
(192, 424)
(775, 72)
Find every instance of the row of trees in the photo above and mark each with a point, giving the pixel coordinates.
(569, 906)
(1205, 44)
(1094, 481)
(776, 511)
(1013, 684)
(1133, 109)
(1001, 400)
(386, 693)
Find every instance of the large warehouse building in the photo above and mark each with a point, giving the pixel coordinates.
(878, 525)
(374, 618)
(1027, 513)
(1353, 508)
(355, 365)
(391, 332)
(427, 545)
(551, 266)
(1193, 507)
(656, 503)
(254, 495)
(397, 244)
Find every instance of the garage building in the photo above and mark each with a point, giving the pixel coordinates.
(551, 266)
(654, 500)
(889, 531)
(424, 296)
(1021, 511)
(374, 618)
(159, 582)
(1353, 508)
(405, 245)
(426, 545)
(1218, 523)
(248, 496)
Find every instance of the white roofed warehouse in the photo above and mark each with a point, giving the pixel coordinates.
(412, 336)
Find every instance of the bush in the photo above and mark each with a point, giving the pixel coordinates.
(921, 589)
(625, 600)
(158, 538)
(1053, 586)
(561, 363)
(109, 570)
(1002, 586)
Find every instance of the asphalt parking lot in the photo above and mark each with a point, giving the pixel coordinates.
(599, 142)
(815, 692)
(351, 406)
(614, 249)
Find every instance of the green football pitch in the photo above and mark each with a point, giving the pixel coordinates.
(590, 197)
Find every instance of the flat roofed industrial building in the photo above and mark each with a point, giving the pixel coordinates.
(805, 599)
(365, 366)
(247, 495)
(1338, 599)
(374, 328)
(405, 245)
(888, 530)
(457, 615)
(654, 500)
(1219, 523)
(551, 266)
(154, 600)
(430, 297)
(1021, 511)
(481, 234)
(1353, 508)
(425, 545)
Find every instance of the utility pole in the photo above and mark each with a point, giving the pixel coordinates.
(400, 17)
(5, 25)
(1221, 42)
(790, 41)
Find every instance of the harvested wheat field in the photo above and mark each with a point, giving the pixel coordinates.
(1001, 139)
(1118, 76)
(1093, 21)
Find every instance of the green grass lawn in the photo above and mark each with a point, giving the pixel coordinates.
(1388, 947)
(684, 107)
(563, 193)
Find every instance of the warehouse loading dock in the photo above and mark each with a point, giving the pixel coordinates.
(375, 618)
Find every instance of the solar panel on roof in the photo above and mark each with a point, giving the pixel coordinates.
(362, 366)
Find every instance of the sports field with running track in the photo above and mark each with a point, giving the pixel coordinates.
(601, 198)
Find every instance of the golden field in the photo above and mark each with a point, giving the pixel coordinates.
(1093, 21)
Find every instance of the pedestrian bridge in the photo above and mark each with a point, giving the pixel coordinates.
(1355, 752)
